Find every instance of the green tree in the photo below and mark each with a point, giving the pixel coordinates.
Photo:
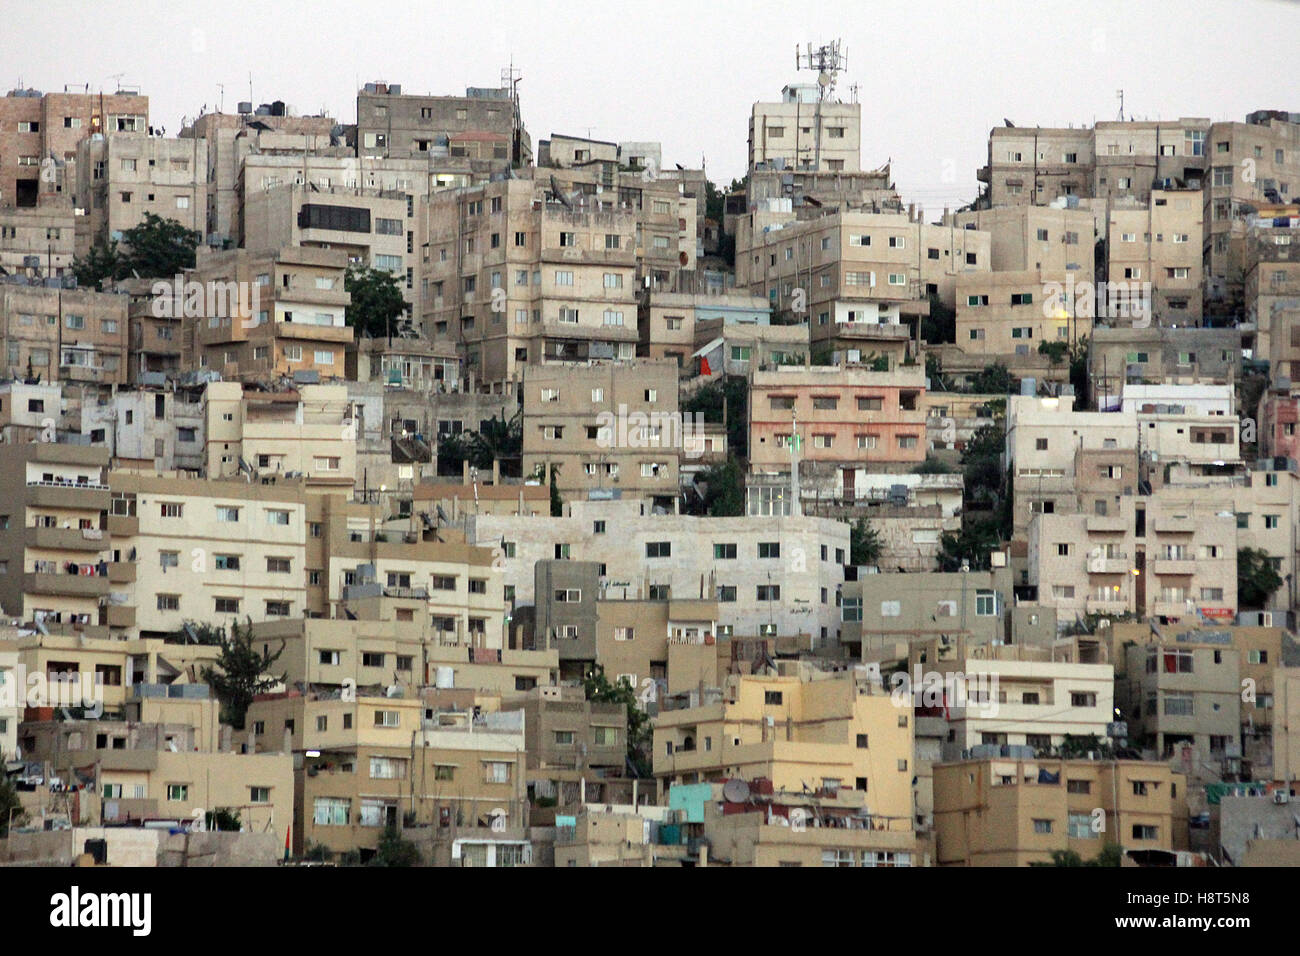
(1256, 577)
(376, 301)
(9, 804)
(1055, 351)
(159, 248)
(732, 393)
(395, 850)
(864, 543)
(981, 462)
(973, 544)
(498, 439)
(598, 689)
(1079, 373)
(940, 325)
(992, 380)
(102, 261)
(557, 503)
(725, 497)
(933, 466)
(223, 820)
(241, 673)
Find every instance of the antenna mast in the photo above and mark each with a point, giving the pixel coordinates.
(829, 60)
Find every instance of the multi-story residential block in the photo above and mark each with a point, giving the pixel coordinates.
(42, 132)
(609, 426)
(269, 313)
(37, 243)
(484, 124)
(1272, 297)
(375, 228)
(518, 275)
(673, 324)
(149, 429)
(564, 731)
(805, 130)
(308, 432)
(1014, 811)
(841, 423)
(1159, 242)
(1053, 239)
(735, 348)
(1159, 355)
(30, 412)
(776, 575)
(802, 730)
(52, 535)
(1161, 555)
(123, 177)
(68, 335)
(1191, 424)
(1011, 317)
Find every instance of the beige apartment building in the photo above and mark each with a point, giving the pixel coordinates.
(29, 413)
(122, 177)
(736, 348)
(1148, 556)
(1272, 303)
(1053, 239)
(339, 652)
(37, 242)
(858, 279)
(806, 131)
(55, 558)
(1160, 243)
(268, 313)
(41, 132)
(803, 730)
(672, 325)
(519, 276)
(205, 551)
(1285, 744)
(997, 811)
(613, 426)
(1007, 317)
(307, 432)
(68, 335)
(373, 228)
(563, 731)
(394, 124)
(1159, 355)
(844, 423)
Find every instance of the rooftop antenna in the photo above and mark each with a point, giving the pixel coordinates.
(829, 60)
(117, 78)
(1119, 95)
(221, 97)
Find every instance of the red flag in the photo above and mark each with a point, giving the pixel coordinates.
(287, 832)
(704, 367)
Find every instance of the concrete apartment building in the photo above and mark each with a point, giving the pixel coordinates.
(485, 124)
(29, 413)
(1182, 699)
(655, 646)
(1036, 165)
(670, 324)
(1283, 739)
(232, 138)
(333, 653)
(1051, 447)
(54, 541)
(849, 422)
(517, 279)
(1005, 317)
(1251, 164)
(66, 335)
(122, 177)
(858, 279)
(805, 131)
(607, 427)
(804, 730)
(1160, 243)
(563, 731)
(358, 774)
(1192, 425)
(1159, 355)
(37, 243)
(148, 429)
(307, 432)
(1272, 296)
(272, 313)
(374, 228)
(1014, 811)
(12, 697)
(41, 132)
(774, 576)
(1053, 239)
(1156, 555)
(207, 551)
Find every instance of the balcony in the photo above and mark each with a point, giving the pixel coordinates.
(67, 494)
(1173, 566)
(1171, 609)
(65, 539)
(122, 572)
(123, 525)
(120, 615)
(1118, 564)
(66, 585)
(1167, 524)
(1107, 523)
(1096, 605)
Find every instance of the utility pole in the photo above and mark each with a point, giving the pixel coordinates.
(795, 442)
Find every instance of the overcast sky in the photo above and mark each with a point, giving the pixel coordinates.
(932, 77)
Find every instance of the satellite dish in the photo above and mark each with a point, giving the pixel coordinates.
(735, 791)
(824, 80)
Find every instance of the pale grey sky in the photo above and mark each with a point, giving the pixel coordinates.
(933, 76)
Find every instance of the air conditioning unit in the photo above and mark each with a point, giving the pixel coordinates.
(1281, 797)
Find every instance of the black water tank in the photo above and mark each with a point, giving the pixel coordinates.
(98, 849)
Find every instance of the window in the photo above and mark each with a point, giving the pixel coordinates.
(1042, 826)
(169, 602)
(724, 552)
(331, 811)
(769, 592)
(277, 517)
(168, 559)
(1083, 699)
(986, 603)
(769, 549)
(496, 771)
(388, 718)
(226, 605)
(658, 549)
(227, 513)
